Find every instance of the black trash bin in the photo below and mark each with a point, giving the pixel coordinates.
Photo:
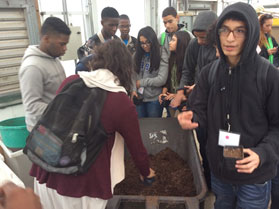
(157, 134)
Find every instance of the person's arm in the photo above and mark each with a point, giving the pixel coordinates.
(267, 150)
(14, 197)
(164, 93)
(31, 86)
(128, 127)
(188, 72)
(275, 45)
(160, 79)
(274, 42)
(198, 99)
(189, 64)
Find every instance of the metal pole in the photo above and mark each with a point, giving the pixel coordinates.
(65, 12)
(91, 19)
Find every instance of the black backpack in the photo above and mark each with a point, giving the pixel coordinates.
(69, 135)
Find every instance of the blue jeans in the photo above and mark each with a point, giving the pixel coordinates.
(247, 196)
(275, 191)
(149, 110)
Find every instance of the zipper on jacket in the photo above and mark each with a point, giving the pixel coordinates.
(229, 95)
(228, 122)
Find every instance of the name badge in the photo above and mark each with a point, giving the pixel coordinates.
(228, 138)
(140, 90)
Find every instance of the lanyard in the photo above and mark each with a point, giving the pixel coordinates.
(269, 45)
(228, 102)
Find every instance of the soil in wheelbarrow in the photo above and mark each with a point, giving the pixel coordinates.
(173, 177)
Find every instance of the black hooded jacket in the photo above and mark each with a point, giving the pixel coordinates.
(197, 56)
(238, 95)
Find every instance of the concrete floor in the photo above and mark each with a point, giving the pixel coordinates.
(209, 201)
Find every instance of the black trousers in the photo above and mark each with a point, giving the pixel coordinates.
(202, 139)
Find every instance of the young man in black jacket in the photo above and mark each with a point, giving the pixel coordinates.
(239, 107)
(198, 54)
(110, 21)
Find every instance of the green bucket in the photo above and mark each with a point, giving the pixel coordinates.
(13, 132)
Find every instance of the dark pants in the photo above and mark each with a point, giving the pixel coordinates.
(275, 191)
(202, 138)
(247, 196)
(149, 109)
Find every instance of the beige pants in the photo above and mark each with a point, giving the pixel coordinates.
(50, 199)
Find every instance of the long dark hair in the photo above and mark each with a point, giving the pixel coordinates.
(114, 56)
(263, 40)
(155, 56)
(177, 56)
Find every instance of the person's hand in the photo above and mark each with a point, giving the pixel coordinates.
(151, 174)
(189, 89)
(185, 120)
(170, 96)
(248, 164)
(272, 51)
(133, 94)
(138, 84)
(14, 197)
(178, 98)
(160, 97)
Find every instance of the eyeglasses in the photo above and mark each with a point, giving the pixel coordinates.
(237, 33)
(124, 26)
(147, 43)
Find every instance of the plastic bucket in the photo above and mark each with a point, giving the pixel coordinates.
(13, 132)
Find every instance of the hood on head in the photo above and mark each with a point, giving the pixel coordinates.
(204, 20)
(246, 12)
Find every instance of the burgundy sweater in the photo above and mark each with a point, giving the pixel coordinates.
(118, 115)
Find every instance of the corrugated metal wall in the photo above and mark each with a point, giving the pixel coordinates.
(13, 42)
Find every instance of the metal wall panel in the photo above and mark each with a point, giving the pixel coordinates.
(13, 42)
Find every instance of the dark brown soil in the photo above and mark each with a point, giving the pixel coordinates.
(233, 152)
(173, 177)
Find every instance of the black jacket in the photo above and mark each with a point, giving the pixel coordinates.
(132, 43)
(197, 56)
(96, 40)
(92, 41)
(264, 52)
(238, 95)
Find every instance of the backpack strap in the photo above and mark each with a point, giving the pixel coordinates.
(213, 71)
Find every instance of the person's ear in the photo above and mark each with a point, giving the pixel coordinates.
(102, 22)
(177, 18)
(45, 38)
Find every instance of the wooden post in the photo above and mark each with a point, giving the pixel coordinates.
(38, 14)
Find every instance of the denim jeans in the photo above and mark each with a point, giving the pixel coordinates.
(275, 191)
(149, 109)
(247, 196)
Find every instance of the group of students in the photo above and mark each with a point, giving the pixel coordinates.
(172, 66)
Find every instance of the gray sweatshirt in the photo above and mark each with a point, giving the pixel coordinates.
(40, 75)
(165, 51)
(151, 82)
